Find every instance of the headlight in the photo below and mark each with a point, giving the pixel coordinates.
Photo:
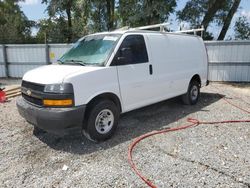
(59, 88)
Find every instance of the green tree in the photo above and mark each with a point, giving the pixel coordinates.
(102, 15)
(110, 14)
(205, 12)
(81, 16)
(228, 19)
(213, 6)
(52, 30)
(145, 12)
(98, 16)
(193, 12)
(14, 25)
(88, 16)
(242, 28)
(60, 8)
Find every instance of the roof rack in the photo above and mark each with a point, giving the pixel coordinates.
(194, 31)
(162, 27)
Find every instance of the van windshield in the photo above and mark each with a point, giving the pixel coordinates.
(91, 50)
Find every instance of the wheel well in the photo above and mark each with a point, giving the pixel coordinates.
(196, 78)
(109, 96)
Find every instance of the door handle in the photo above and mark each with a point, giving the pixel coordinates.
(150, 69)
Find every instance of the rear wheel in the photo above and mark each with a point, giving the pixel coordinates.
(193, 93)
(101, 120)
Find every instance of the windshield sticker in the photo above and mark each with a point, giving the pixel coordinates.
(110, 38)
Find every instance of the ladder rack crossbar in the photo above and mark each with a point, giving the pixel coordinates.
(162, 27)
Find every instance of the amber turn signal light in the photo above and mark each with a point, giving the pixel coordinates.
(57, 102)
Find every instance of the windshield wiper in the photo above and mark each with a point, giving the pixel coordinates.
(60, 61)
(77, 62)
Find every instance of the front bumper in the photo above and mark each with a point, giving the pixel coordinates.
(59, 121)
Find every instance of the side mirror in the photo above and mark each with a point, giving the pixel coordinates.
(124, 57)
(125, 50)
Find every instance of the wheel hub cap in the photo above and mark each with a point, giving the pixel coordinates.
(194, 92)
(104, 121)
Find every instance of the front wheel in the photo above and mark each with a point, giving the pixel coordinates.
(101, 121)
(193, 93)
(37, 131)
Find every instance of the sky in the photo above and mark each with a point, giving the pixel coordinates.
(34, 10)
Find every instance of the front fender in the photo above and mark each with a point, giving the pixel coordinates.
(88, 85)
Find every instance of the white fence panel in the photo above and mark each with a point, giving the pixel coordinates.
(22, 58)
(2, 70)
(57, 50)
(17, 71)
(229, 60)
(231, 51)
(23, 54)
(236, 73)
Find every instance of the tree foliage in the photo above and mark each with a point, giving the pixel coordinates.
(98, 16)
(61, 8)
(71, 19)
(206, 12)
(228, 19)
(242, 28)
(14, 25)
(52, 31)
(145, 12)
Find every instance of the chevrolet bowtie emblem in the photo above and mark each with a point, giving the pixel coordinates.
(28, 92)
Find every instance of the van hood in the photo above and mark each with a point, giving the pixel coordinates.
(51, 74)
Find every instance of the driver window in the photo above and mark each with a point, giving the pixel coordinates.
(132, 51)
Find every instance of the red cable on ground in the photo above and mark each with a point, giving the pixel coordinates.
(193, 123)
(226, 100)
(244, 110)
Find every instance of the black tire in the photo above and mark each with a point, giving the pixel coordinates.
(100, 114)
(37, 131)
(193, 93)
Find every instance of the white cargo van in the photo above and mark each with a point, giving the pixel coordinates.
(106, 74)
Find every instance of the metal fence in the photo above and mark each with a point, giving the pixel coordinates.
(15, 60)
(228, 60)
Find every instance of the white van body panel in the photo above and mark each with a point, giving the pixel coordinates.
(88, 85)
(176, 59)
(136, 85)
(52, 74)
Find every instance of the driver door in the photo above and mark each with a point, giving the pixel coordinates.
(135, 72)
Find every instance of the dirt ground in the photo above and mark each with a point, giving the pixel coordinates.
(203, 156)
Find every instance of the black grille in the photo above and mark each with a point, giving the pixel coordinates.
(33, 100)
(33, 86)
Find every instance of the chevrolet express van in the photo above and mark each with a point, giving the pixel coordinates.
(106, 74)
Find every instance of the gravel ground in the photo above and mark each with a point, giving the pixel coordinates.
(203, 156)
